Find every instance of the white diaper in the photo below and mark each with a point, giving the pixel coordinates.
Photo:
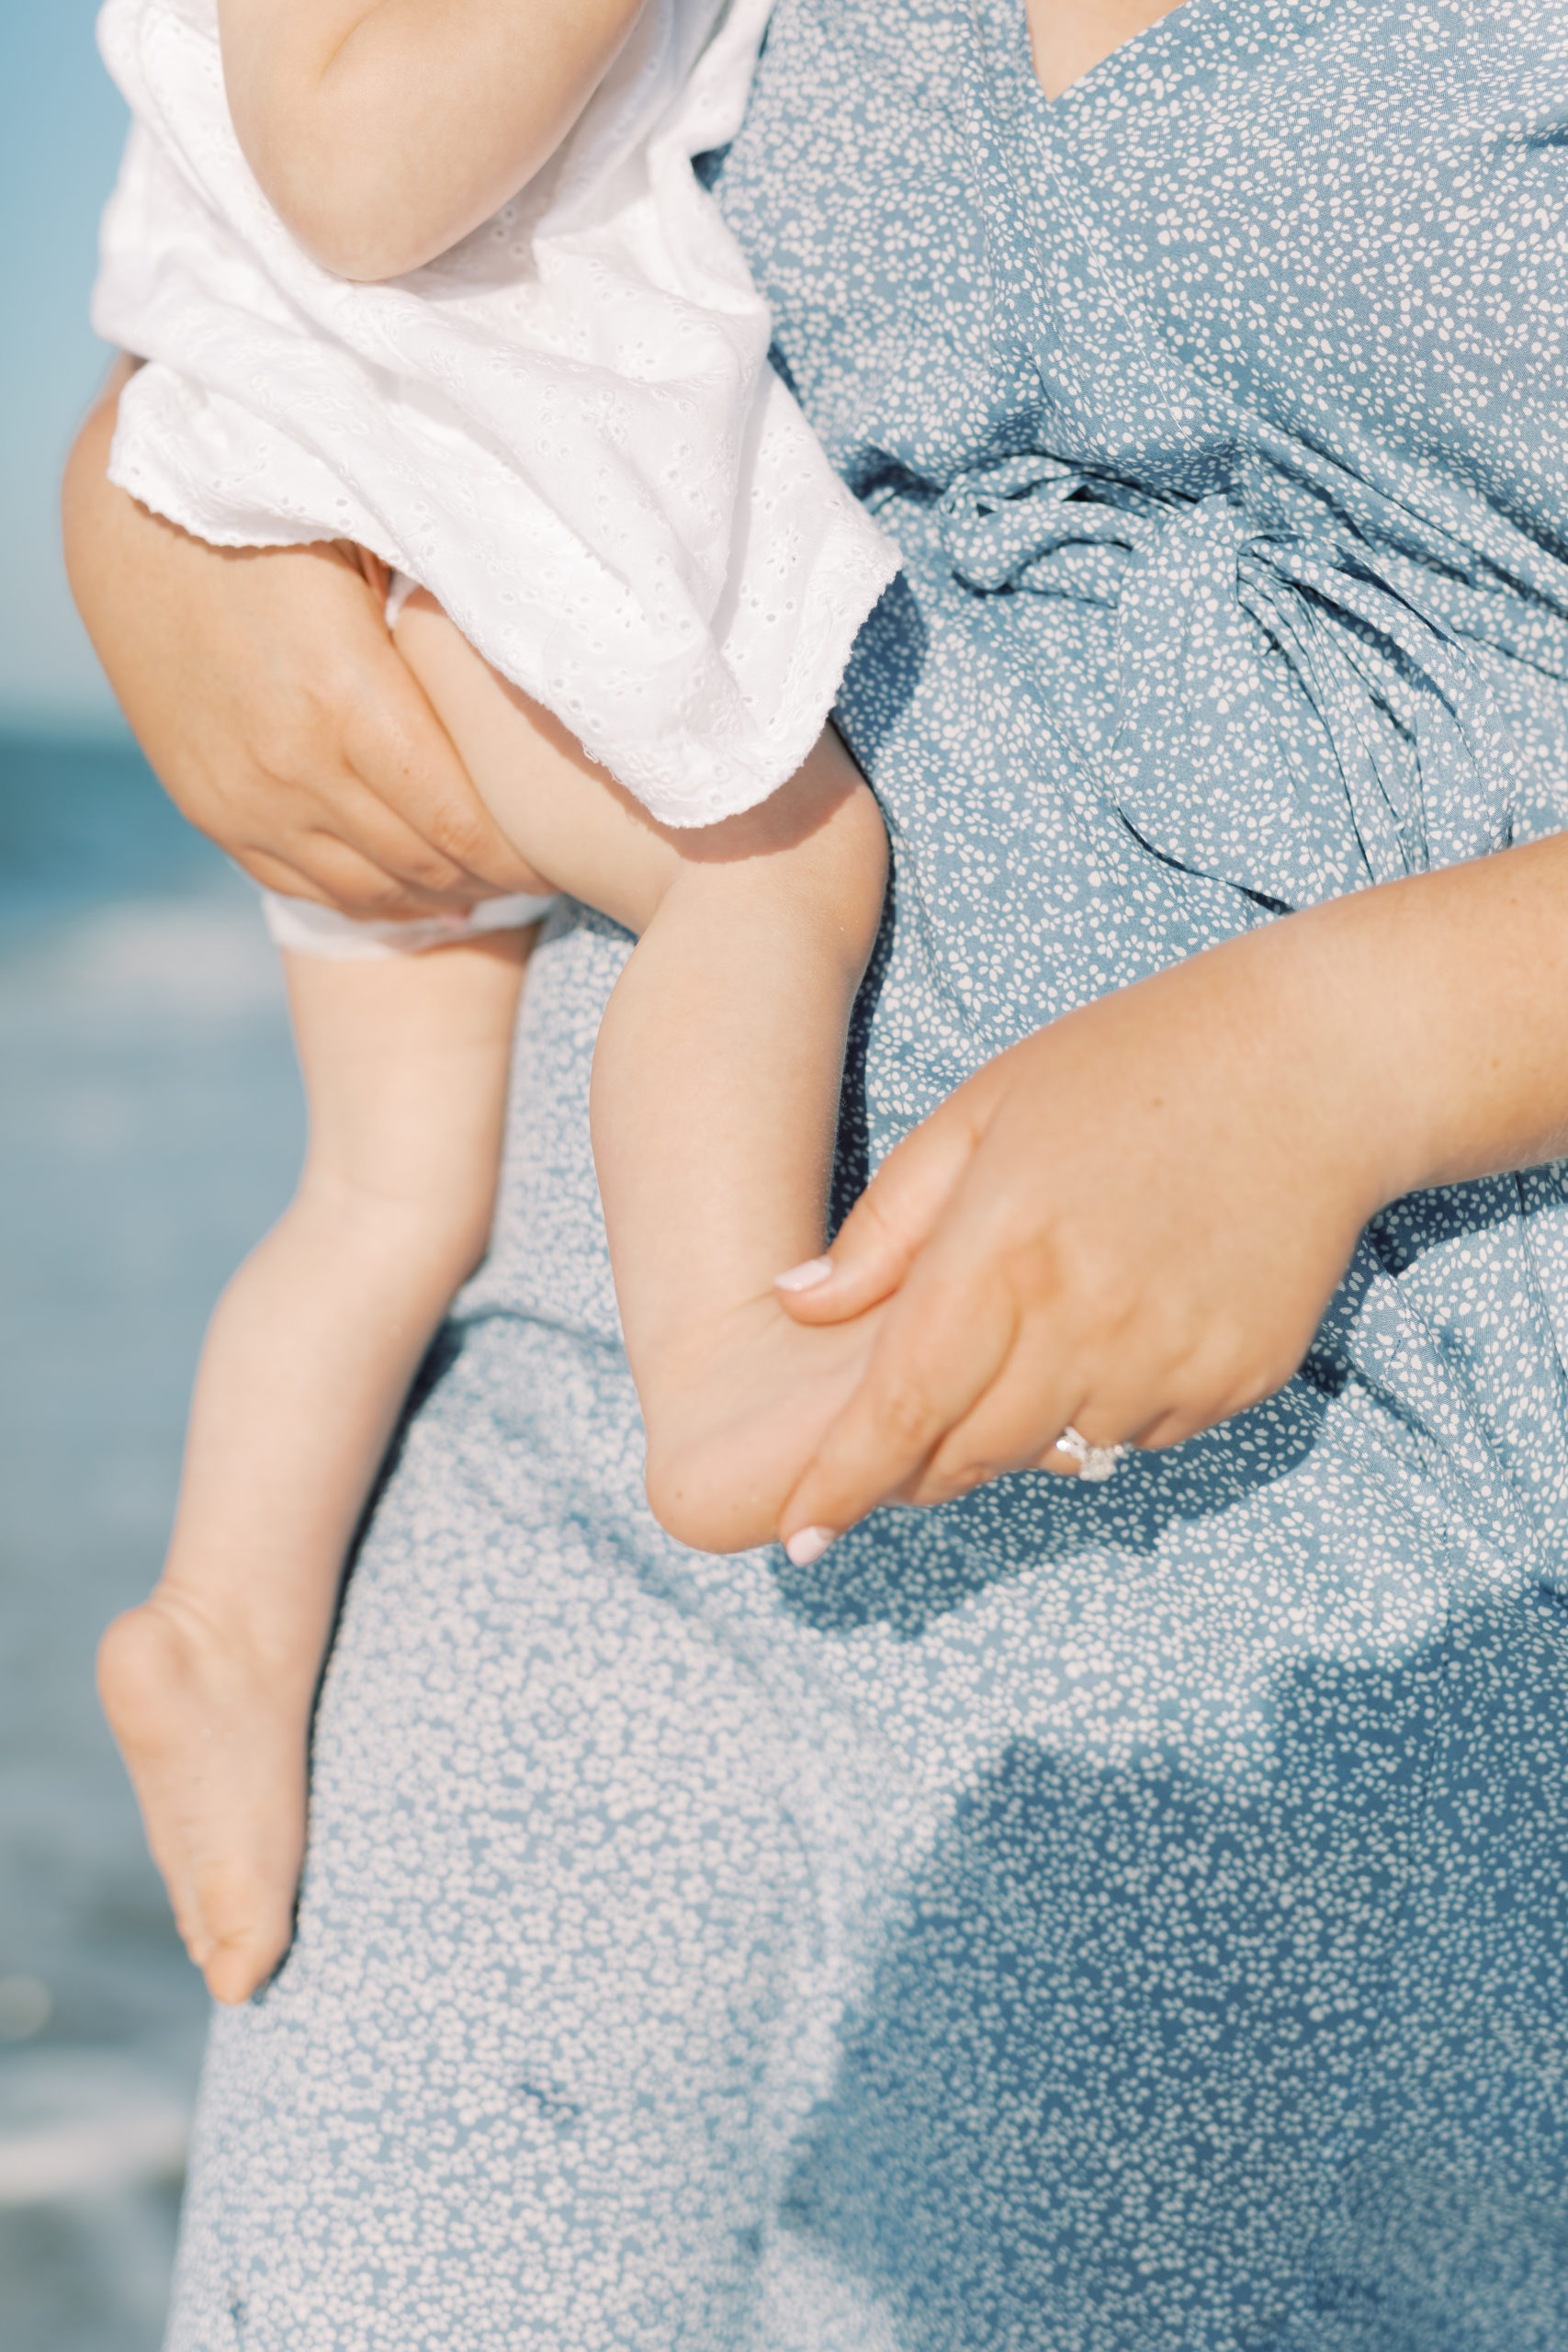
(399, 588)
(307, 929)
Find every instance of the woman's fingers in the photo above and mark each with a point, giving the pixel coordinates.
(267, 694)
(1014, 1423)
(364, 882)
(358, 772)
(403, 756)
(944, 1341)
(1134, 1234)
(890, 1223)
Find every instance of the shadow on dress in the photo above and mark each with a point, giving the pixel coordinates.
(1138, 2028)
(905, 1569)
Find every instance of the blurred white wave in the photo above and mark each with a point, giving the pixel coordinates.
(78, 2123)
(191, 960)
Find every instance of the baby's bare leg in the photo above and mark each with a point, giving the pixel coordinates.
(715, 1101)
(715, 1080)
(209, 1686)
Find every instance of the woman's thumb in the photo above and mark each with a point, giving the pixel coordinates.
(888, 1227)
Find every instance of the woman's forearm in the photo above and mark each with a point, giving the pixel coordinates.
(1444, 1002)
(1131, 1222)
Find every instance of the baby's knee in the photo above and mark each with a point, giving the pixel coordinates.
(866, 853)
(852, 863)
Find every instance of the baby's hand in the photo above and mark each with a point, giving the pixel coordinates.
(1129, 1225)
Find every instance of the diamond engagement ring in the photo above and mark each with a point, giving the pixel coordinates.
(1095, 1463)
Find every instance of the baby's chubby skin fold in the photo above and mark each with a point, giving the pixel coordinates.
(384, 130)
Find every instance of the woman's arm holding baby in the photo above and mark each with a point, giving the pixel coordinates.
(1133, 1221)
(383, 130)
(265, 691)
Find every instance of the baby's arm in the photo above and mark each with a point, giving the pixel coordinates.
(209, 1684)
(383, 130)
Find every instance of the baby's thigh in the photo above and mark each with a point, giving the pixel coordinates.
(525, 2076)
(581, 831)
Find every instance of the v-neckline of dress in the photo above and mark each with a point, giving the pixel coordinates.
(1132, 41)
(1172, 32)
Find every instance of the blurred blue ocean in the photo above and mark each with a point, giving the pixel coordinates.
(150, 1128)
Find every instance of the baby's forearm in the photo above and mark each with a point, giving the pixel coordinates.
(383, 130)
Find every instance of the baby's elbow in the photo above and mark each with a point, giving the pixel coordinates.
(859, 871)
(347, 223)
(336, 192)
(357, 241)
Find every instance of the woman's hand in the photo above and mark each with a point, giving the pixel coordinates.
(1131, 1223)
(264, 690)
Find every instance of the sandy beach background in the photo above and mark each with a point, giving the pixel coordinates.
(150, 1126)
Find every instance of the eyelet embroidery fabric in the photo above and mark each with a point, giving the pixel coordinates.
(566, 428)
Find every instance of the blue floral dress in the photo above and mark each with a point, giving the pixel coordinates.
(1130, 1920)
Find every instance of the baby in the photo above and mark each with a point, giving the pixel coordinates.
(603, 522)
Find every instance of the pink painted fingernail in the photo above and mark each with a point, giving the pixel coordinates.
(808, 1276)
(808, 1544)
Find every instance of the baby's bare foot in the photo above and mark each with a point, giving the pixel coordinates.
(214, 1743)
(734, 1419)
